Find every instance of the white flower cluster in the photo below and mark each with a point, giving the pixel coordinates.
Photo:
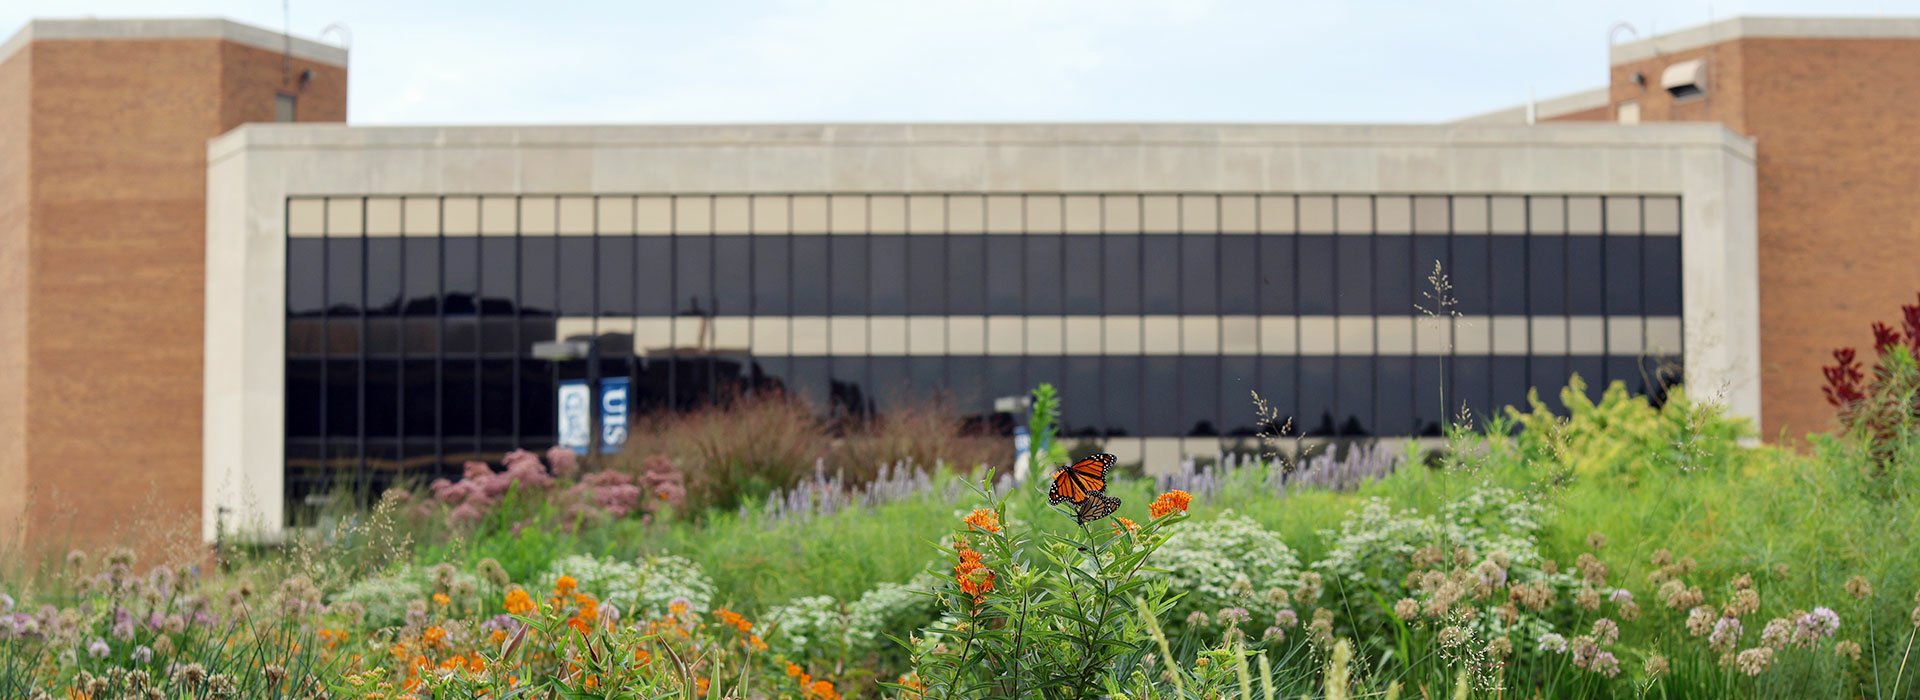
(610, 580)
(385, 598)
(822, 627)
(1230, 561)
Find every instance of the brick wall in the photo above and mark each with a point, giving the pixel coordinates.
(13, 299)
(119, 132)
(1838, 168)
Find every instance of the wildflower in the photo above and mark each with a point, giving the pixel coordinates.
(1745, 601)
(1859, 588)
(975, 579)
(1743, 582)
(1232, 616)
(1620, 595)
(1507, 613)
(1847, 648)
(1822, 622)
(1279, 597)
(1657, 665)
(1197, 619)
(983, 519)
(1128, 524)
(519, 602)
(755, 643)
(433, 636)
(441, 599)
(76, 558)
(191, 674)
(1241, 588)
(1309, 590)
(1607, 631)
(143, 654)
(493, 573)
(1406, 608)
(1550, 567)
(1587, 599)
(1286, 619)
(701, 685)
(1452, 636)
(1605, 664)
(1755, 660)
(1552, 642)
(99, 649)
(1273, 633)
(1726, 634)
(1597, 541)
(1630, 611)
(642, 657)
(1584, 649)
(1780, 570)
(565, 585)
(497, 637)
(1169, 502)
(1661, 558)
(1499, 647)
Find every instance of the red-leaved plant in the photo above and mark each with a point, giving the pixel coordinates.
(1881, 404)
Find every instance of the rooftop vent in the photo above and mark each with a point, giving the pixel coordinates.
(1685, 79)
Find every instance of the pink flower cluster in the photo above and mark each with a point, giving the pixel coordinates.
(481, 488)
(596, 494)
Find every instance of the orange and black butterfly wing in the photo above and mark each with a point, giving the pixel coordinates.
(1100, 506)
(1074, 482)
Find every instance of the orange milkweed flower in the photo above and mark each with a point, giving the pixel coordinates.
(823, 689)
(756, 643)
(642, 656)
(702, 685)
(498, 637)
(984, 519)
(975, 578)
(793, 670)
(565, 585)
(1169, 502)
(519, 602)
(1128, 524)
(433, 636)
(441, 599)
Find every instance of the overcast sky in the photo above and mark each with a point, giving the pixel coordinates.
(612, 61)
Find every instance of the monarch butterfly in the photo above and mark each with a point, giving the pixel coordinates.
(1095, 508)
(1075, 482)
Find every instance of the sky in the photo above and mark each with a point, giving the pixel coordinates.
(730, 61)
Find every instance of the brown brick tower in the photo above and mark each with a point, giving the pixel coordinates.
(103, 172)
(1830, 105)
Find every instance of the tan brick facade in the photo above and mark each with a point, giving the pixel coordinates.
(1838, 168)
(14, 72)
(110, 317)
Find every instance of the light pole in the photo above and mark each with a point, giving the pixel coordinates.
(563, 350)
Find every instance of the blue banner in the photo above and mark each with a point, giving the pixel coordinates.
(613, 414)
(576, 421)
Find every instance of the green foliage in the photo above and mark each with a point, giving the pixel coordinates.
(1044, 426)
(1622, 437)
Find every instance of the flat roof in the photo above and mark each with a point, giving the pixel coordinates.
(180, 28)
(1542, 109)
(1769, 28)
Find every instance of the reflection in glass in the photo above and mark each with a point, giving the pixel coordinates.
(1393, 391)
(1199, 396)
(1043, 271)
(1509, 275)
(1430, 409)
(419, 381)
(304, 388)
(1353, 257)
(1546, 275)
(1661, 255)
(1160, 274)
(810, 275)
(383, 398)
(1122, 283)
(966, 275)
(1585, 290)
(1199, 273)
(575, 275)
(1278, 276)
(1080, 410)
(1160, 392)
(1317, 396)
(306, 276)
(1355, 400)
(1469, 274)
(1081, 274)
(1120, 379)
(1623, 275)
(1005, 280)
(926, 275)
(1315, 274)
(1394, 275)
(1239, 375)
(343, 398)
(1239, 275)
(732, 275)
(888, 255)
(693, 274)
(343, 276)
(849, 274)
(1472, 383)
(383, 276)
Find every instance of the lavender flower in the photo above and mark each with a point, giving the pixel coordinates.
(1605, 664)
(1233, 616)
(1286, 619)
(6, 603)
(99, 649)
(1726, 634)
(1605, 630)
(1552, 642)
(1755, 660)
(143, 654)
(1621, 595)
(1777, 633)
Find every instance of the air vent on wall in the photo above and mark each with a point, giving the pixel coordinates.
(1685, 79)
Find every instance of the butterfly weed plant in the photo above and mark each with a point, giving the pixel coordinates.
(1042, 613)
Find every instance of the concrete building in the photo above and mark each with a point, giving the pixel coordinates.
(371, 295)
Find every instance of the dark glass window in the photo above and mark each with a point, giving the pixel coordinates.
(1047, 369)
(499, 336)
(303, 337)
(1279, 377)
(383, 398)
(966, 380)
(733, 275)
(1356, 398)
(461, 334)
(889, 258)
(966, 274)
(1315, 274)
(810, 276)
(304, 389)
(1160, 277)
(1043, 275)
(422, 404)
(1548, 375)
(500, 264)
(306, 276)
(1081, 411)
(849, 274)
(496, 399)
(1509, 275)
(770, 375)
(693, 274)
(1238, 376)
(1353, 257)
(926, 275)
(1239, 275)
(1200, 396)
(1393, 395)
(462, 269)
(1317, 396)
(1430, 409)
(928, 375)
(1121, 268)
(540, 277)
(1004, 276)
(810, 381)
(1082, 274)
(851, 394)
(1120, 380)
(1393, 275)
(1278, 275)
(343, 276)
(1160, 392)
(538, 414)
(1469, 274)
(771, 267)
(892, 387)
(459, 398)
(1592, 370)
(1585, 289)
(1004, 378)
(382, 336)
(1428, 250)
(615, 276)
(1472, 383)
(420, 295)
(1199, 274)
(1547, 275)
(1662, 258)
(1509, 385)
(343, 398)
(1623, 275)
(383, 276)
(576, 275)
(653, 275)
